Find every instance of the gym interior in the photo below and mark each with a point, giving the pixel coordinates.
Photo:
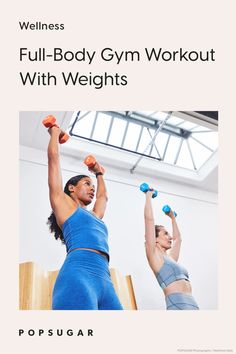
(174, 152)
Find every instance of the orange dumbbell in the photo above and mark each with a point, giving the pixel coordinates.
(49, 122)
(90, 161)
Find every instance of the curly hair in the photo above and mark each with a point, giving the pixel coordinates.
(52, 222)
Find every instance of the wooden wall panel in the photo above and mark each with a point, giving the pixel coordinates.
(36, 286)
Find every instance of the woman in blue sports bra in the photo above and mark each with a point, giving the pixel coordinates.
(172, 277)
(83, 282)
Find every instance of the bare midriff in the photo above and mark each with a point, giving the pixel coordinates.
(178, 286)
(89, 249)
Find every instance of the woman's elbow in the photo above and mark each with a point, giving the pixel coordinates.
(177, 239)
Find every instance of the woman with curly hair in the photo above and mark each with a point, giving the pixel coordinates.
(83, 282)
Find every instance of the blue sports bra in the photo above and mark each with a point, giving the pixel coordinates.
(84, 230)
(170, 272)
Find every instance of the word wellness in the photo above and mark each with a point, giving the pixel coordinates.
(117, 57)
(40, 26)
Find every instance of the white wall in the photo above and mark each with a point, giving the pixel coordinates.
(197, 218)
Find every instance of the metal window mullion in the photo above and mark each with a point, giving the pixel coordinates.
(135, 120)
(74, 123)
(94, 124)
(110, 128)
(153, 145)
(178, 152)
(168, 128)
(201, 131)
(152, 141)
(83, 116)
(167, 143)
(199, 142)
(191, 155)
(125, 133)
(154, 137)
(139, 138)
(77, 119)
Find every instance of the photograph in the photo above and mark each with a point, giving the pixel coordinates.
(118, 210)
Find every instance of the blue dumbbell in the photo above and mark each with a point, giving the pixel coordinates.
(144, 187)
(167, 209)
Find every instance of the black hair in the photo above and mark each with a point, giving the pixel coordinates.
(52, 222)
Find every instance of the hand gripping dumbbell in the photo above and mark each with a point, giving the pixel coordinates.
(167, 209)
(90, 161)
(144, 187)
(49, 122)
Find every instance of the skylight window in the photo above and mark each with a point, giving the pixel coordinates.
(147, 134)
(199, 152)
(184, 159)
(175, 121)
(210, 140)
(186, 125)
(101, 128)
(158, 135)
(173, 147)
(117, 132)
(132, 135)
(84, 124)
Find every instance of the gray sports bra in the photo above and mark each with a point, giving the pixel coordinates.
(170, 272)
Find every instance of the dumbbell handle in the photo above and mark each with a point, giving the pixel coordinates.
(90, 161)
(144, 187)
(49, 122)
(166, 209)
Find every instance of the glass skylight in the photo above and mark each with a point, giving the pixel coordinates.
(117, 132)
(101, 127)
(178, 142)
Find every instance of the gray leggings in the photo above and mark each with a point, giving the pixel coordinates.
(180, 301)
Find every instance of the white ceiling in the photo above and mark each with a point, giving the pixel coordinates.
(33, 134)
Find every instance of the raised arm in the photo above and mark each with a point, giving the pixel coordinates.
(149, 225)
(101, 194)
(54, 170)
(175, 249)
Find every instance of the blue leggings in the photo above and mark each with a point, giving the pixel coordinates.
(181, 301)
(84, 283)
